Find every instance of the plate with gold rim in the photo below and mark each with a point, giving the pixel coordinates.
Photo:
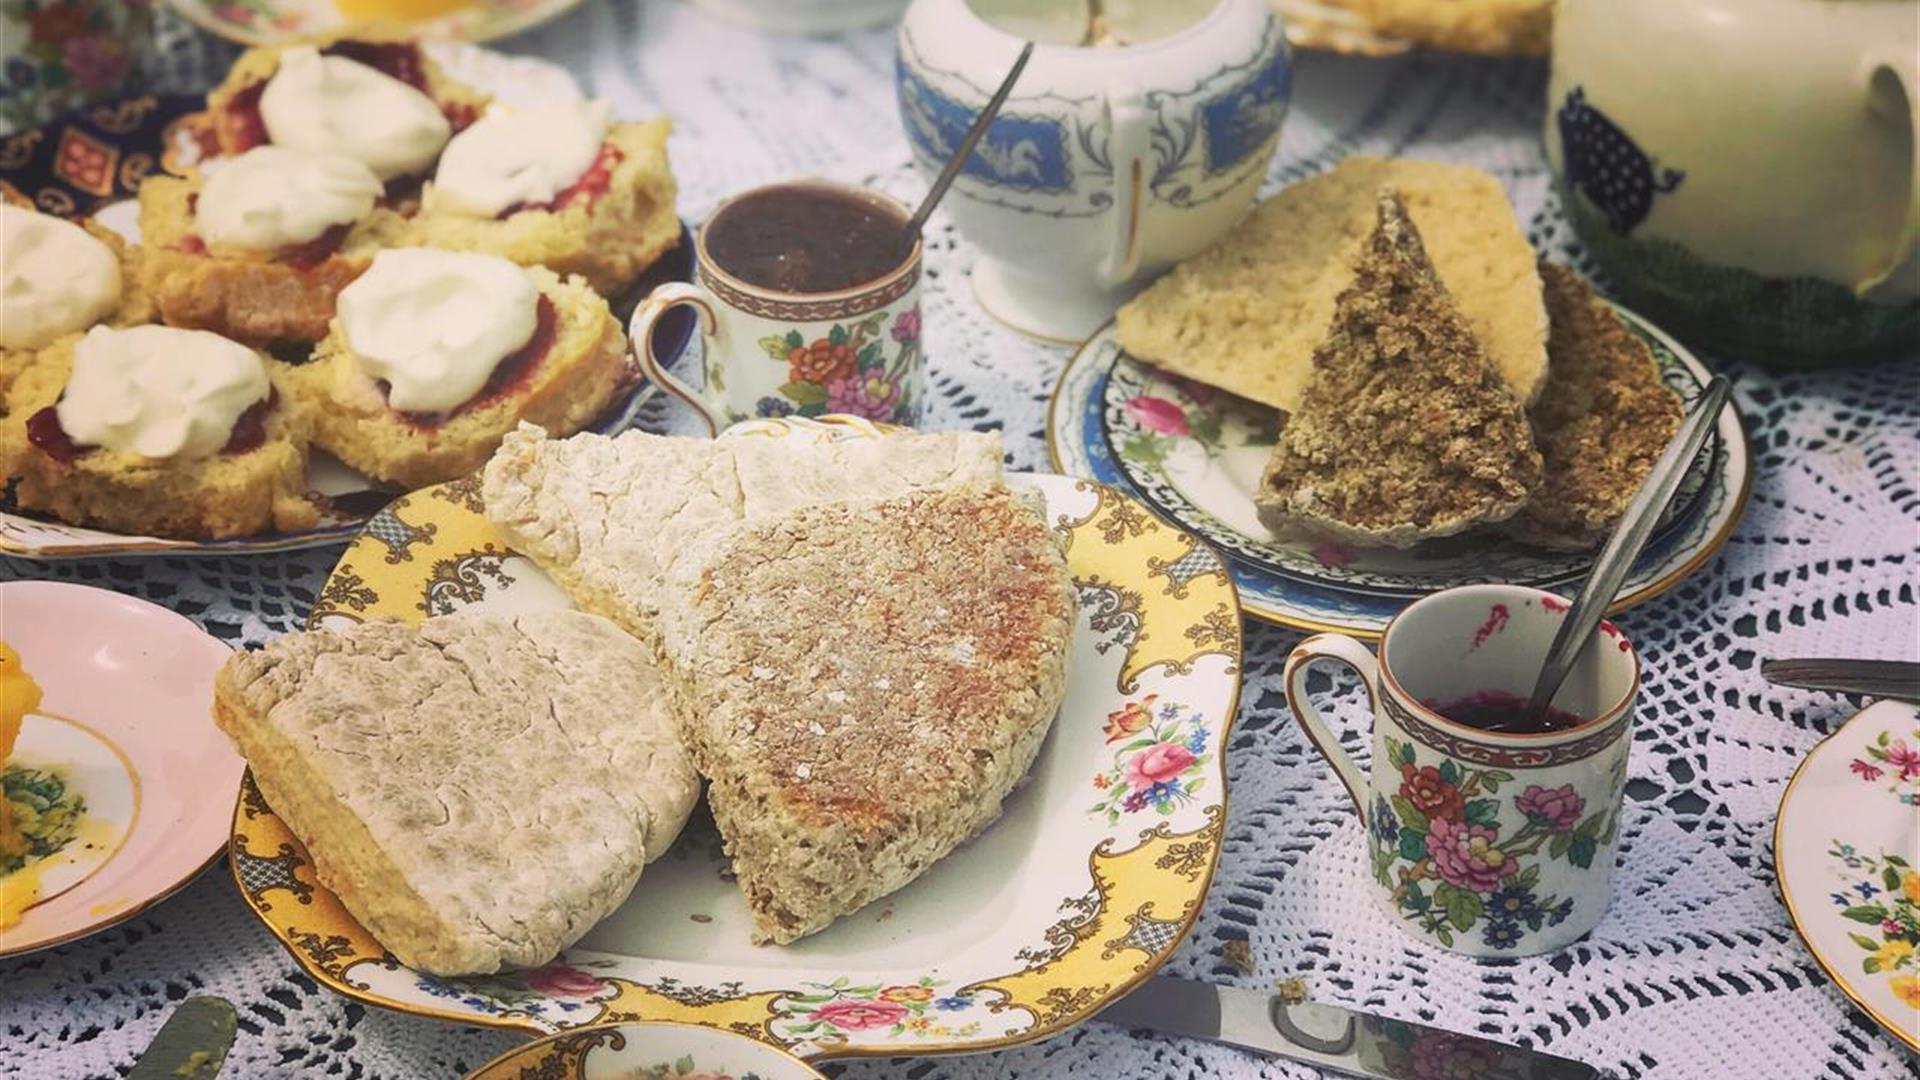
(272, 22)
(1846, 851)
(1086, 884)
(647, 1051)
(91, 163)
(1195, 454)
(118, 803)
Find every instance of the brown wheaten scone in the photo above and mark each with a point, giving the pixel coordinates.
(227, 495)
(478, 790)
(1405, 432)
(863, 683)
(1247, 314)
(1601, 423)
(241, 293)
(609, 518)
(609, 238)
(579, 370)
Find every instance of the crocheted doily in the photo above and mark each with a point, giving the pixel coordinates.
(1695, 971)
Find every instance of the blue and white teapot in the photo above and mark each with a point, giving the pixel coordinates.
(1135, 138)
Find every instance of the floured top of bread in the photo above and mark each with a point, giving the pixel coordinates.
(609, 518)
(1247, 315)
(1601, 423)
(479, 790)
(1404, 432)
(863, 682)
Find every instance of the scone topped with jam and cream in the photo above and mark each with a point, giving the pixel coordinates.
(557, 186)
(435, 355)
(372, 95)
(159, 430)
(260, 248)
(1405, 431)
(58, 278)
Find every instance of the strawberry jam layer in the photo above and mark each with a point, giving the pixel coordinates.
(302, 256)
(586, 191)
(513, 372)
(242, 128)
(45, 432)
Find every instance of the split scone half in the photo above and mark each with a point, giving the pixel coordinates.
(60, 277)
(157, 430)
(1405, 431)
(556, 186)
(435, 356)
(1601, 424)
(610, 518)
(863, 683)
(478, 790)
(259, 249)
(370, 93)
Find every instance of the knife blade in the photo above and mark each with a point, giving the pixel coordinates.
(1329, 1036)
(191, 1045)
(1874, 678)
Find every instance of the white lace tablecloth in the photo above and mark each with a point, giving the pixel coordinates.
(1695, 971)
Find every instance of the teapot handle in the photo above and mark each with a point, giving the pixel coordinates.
(1898, 68)
(1131, 123)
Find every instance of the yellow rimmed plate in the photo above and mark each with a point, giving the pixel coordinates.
(1083, 888)
(271, 22)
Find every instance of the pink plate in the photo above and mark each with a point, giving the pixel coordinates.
(125, 721)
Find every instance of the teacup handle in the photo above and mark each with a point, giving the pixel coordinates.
(1900, 66)
(1130, 150)
(665, 298)
(1356, 656)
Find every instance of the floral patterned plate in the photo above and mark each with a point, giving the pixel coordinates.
(268, 22)
(1195, 455)
(1846, 847)
(646, 1051)
(1083, 887)
(91, 163)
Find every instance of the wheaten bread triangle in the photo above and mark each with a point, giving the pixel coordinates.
(863, 683)
(478, 790)
(1405, 431)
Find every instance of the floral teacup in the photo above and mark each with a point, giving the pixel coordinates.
(855, 351)
(1488, 843)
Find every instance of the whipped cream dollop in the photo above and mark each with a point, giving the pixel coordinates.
(158, 391)
(434, 324)
(518, 155)
(273, 196)
(55, 278)
(330, 104)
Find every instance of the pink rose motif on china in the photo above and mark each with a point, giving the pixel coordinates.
(1465, 856)
(1158, 415)
(1904, 758)
(97, 61)
(1157, 764)
(1557, 809)
(906, 328)
(860, 1015)
(559, 980)
(868, 394)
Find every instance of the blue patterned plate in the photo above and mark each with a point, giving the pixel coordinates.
(1195, 454)
(90, 163)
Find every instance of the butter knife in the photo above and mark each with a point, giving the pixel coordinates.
(1331, 1037)
(1874, 678)
(191, 1045)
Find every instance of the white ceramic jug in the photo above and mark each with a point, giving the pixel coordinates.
(1745, 169)
(1127, 145)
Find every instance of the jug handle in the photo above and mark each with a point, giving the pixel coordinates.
(1898, 66)
(1131, 124)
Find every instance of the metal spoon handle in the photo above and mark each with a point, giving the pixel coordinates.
(1628, 539)
(967, 142)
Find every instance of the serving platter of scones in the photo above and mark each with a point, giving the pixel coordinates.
(1247, 394)
(244, 327)
(961, 735)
